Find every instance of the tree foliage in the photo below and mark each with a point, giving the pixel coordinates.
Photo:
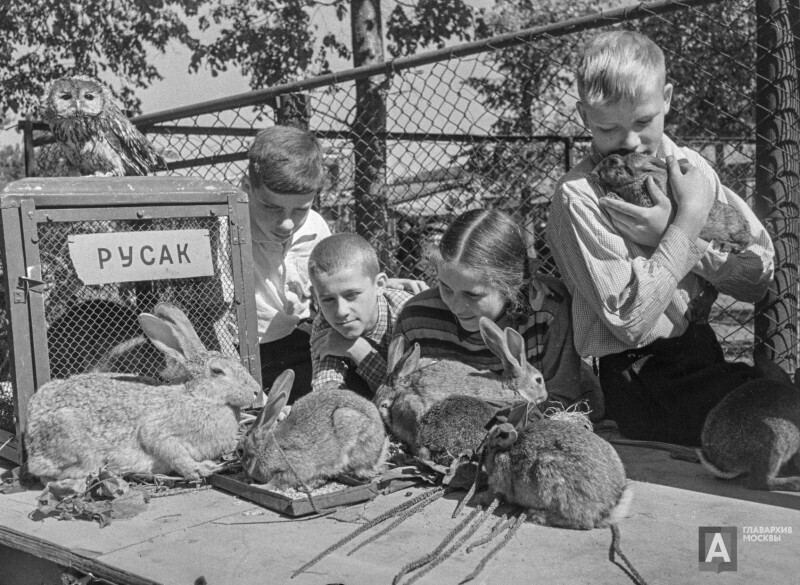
(48, 39)
(12, 164)
(270, 41)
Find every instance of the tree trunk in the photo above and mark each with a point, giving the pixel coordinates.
(369, 126)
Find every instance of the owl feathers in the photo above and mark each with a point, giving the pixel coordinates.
(93, 133)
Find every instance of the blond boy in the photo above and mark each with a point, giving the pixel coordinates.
(639, 277)
(350, 337)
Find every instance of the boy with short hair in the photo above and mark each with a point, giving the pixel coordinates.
(285, 174)
(639, 277)
(351, 335)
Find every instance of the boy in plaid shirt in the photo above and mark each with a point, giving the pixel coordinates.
(350, 336)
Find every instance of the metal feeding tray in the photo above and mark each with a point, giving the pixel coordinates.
(300, 505)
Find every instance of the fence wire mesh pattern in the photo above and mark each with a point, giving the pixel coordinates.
(413, 144)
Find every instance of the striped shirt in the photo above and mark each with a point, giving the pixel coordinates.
(625, 295)
(330, 371)
(547, 332)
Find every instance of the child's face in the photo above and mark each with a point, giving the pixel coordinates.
(274, 216)
(348, 300)
(636, 126)
(468, 296)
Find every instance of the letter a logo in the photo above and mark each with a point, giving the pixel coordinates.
(717, 548)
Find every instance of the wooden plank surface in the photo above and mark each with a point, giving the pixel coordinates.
(227, 540)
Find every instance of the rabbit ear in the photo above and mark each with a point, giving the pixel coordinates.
(409, 362)
(396, 349)
(163, 336)
(516, 345)
(184, 330)
(497, 342)
(276, 400)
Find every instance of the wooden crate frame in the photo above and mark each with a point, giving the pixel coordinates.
(29, 202)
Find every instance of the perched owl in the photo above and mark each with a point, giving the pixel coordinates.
(94, 134)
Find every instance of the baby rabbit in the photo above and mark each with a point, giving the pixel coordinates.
(756, 430)
(625, 175)
(327, 433)
(564, 474)
(412, 388)
(77, 425)
(452, 426)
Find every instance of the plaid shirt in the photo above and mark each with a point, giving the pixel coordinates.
(329, 371)
(625, 295)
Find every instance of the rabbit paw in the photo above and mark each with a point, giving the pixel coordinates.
(204, 469)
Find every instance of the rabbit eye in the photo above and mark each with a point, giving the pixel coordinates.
(217, 370)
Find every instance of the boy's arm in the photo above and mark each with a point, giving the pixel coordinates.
(568, 378)
(746, 275)
(326, 371)
(373, 370)
(628, 293)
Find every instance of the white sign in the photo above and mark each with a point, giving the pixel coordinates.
(131, 256)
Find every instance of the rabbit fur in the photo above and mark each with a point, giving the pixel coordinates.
(452, 426)
(326, 434)
(564, 474)
(80, 424)
(755, 430)
(414, 386)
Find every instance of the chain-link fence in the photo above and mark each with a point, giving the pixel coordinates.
(493, 123)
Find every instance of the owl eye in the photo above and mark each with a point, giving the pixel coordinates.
(66, 96)
(88, 96)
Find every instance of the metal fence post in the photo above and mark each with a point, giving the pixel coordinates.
(777, 191)
(30, 153)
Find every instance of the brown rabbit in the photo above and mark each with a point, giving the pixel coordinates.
(327, 433)
(414, 386)
(80, 424)
(755, 430)
(562, 473)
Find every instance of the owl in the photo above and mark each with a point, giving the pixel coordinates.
(93, 133)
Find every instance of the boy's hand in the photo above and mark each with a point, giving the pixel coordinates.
(331, 342)
(284, 413)
(643, 225)
(412, 286)
(693, 192)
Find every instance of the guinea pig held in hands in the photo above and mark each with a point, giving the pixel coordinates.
(624, 176)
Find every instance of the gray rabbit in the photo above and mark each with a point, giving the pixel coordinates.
(77, 425)
(755, 430)
(414, 386)
(562, 473)
(327, 433)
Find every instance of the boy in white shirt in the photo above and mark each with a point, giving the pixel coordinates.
(285, 174)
